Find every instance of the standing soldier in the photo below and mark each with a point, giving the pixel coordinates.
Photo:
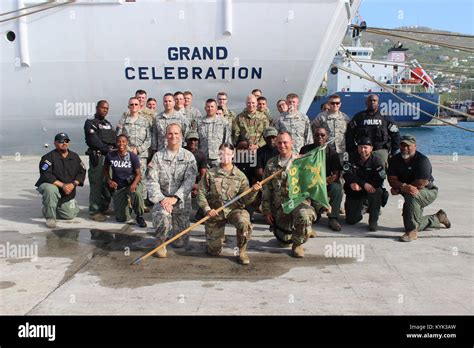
(222, 100)
(364, 175)
(250, 124)
(164, 119)
(262, 106)
(138, 131)
(143, 109)
(100, 137)
(193, 114)
(381, 130)
(295, 123)
(295, 227)
(221, 184)
(213, 131)
(171, 175)
(336, 121)
(61, 171)
(410, 175)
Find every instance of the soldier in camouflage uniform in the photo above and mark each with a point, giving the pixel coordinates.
(138, 130)
(262, 106)
(193, 114)
(295, 123)
(229, 115)
(143, 110)
(213, 131)
(336, 121)
(294, 227)
(171, 175)
(221, 184)
(164, 119)
(251, 124)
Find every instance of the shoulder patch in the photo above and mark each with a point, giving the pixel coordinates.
(393, 128)
(45, 166)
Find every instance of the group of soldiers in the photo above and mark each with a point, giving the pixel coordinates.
(178, 157)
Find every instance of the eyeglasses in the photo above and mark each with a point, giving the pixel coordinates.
(63, 141)
(335, 103)
(133, 104)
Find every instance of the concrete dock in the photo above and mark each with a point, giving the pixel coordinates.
(63, 271)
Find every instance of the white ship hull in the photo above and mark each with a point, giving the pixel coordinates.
(65, 59)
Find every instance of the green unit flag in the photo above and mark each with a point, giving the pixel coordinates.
(307, 179)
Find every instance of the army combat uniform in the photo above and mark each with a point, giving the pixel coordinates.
(193, 115)
(229, 115)
(294, 227)
(298, 126)
(215, 188)
(139, 136)
(337, 125)
(213, 131)
(162, 121)
(250, 126)
(171, 175)
(100, 137)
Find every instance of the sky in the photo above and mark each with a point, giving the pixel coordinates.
(451, 15)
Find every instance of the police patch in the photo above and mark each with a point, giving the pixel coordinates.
(45, 166)
(393, 128)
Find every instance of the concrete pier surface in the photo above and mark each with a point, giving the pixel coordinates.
(69, 271)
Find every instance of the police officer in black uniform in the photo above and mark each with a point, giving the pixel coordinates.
(364, 175)
(100, 137)
(382, 131)
(61, 171)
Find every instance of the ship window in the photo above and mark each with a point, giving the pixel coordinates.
(373, 65)
(10, 36)
(385, 65)
(354, 53)
(348, 77)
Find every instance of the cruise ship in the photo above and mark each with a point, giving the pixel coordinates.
(395, 71)
(58, 58)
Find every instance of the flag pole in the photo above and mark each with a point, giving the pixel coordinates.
(204, 219)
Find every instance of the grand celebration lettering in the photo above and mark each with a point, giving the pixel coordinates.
(199, 72)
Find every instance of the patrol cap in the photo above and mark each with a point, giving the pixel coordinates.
(61, 137)
(364, 141)
(270, 132)
(408, 139)
(192, 134)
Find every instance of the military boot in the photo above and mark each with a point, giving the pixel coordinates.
(243, 258)
(312, 234)
(297, 251)
(51, 223)
(161, 253)
(443, 218)
(334, 224)
(409, 236)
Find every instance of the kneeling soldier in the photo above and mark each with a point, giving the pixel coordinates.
(409, 174)
(61, 170)
(364, 175)
(125, 182)
(219, 185)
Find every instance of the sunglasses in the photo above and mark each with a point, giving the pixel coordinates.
(335, 103)
(63, 141)
(133, 104)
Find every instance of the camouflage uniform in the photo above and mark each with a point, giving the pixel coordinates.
(293, 227)
(168, 176)
(269, 116)
(251, 126)
(337, 125)
(149, 114)
(139, 136)
(298, 126)
(162, 121)
(193, 115)
(213, 131)
(215, 188)
(229, 115)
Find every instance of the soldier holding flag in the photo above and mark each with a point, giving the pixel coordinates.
(291, 227)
